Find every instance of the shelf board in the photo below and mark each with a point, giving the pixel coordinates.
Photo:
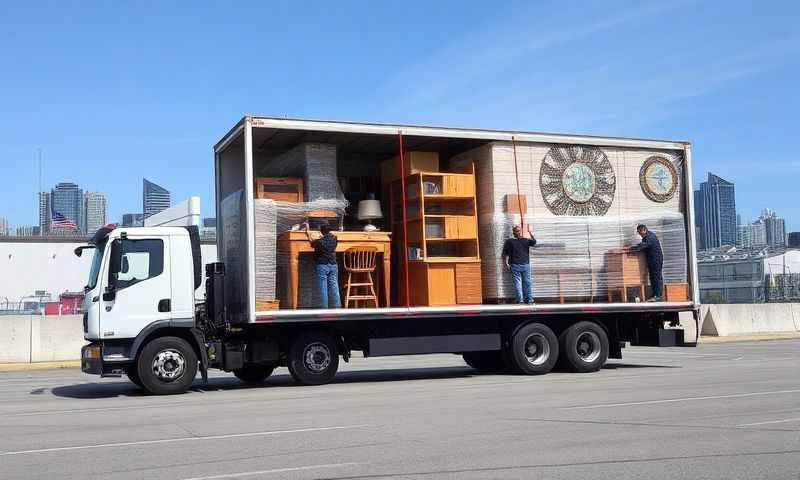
(451, 239)
(438, 196)
(448, 260)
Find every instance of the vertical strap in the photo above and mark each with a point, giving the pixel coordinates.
(405, 216)
(516, 175)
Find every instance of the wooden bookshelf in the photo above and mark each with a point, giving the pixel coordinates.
(442, 226)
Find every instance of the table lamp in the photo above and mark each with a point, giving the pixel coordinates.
(369, 210)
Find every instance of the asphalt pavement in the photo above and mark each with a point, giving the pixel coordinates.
(724, 411)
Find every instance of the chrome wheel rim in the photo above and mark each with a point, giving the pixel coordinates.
(317, 357)
(536, 349)
(587, 346)
(169, 365)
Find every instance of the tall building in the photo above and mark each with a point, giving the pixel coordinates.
(775, 227)
(66, 200)
(751, 235)
(794, 239)
(698, 220)
(28, 231)
(3, 226)
(154, 198)
(94, 208)
(44, 213)
(132, 220)
(716, 201)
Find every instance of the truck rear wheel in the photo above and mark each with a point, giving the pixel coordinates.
(584, 347)
(313, 358)
(253, 373)
(532, 350)
(167, 365)
(491, 361)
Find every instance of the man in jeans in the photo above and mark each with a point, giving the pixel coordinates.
(516, 254)
(327, 271)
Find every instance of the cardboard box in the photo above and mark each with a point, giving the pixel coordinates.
(415, 162)
(676, 292)
(513, 202)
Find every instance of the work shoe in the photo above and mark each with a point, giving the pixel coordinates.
(655, 299)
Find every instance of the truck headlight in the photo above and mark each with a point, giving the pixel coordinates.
(91, 352)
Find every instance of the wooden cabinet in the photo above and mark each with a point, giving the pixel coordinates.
(444, 283)
(443, 226)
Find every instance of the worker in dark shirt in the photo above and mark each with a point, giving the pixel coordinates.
(516, 255)
(655, 260)
(327, 270)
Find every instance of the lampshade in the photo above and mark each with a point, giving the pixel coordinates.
(369, 209)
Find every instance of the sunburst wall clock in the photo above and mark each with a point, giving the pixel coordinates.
(658, 178)
(577, 180)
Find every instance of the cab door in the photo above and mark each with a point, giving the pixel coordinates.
(141, 292)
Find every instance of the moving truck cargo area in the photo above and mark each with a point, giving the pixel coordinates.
(516, 250)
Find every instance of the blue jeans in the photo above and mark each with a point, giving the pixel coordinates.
(328, 281)
(522, 282)
(656, 281)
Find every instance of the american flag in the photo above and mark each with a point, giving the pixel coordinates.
(59, 221)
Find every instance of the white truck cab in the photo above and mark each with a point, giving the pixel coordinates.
(142, 281)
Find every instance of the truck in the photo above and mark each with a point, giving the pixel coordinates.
(156, 314)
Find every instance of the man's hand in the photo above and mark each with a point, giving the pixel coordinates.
(530, 231)
(506, 264)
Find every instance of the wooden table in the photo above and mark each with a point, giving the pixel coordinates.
(296, 242)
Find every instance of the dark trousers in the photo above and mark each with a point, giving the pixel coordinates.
(656, 281)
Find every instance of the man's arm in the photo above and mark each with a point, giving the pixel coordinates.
(643, 245)
(531, 240)
(505, 255)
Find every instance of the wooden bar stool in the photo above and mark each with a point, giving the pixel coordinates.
(360, 261)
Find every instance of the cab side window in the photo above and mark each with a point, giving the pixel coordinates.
(141, 260)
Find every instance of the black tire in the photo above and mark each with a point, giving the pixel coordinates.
(584, 347)
(253, 373)
(491, 361)
(133, 375)
(313, 358)
(167, 366)
(532, 350)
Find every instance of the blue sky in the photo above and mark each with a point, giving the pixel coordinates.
(116, 91)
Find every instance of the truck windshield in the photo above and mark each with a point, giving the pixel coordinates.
(97, 259)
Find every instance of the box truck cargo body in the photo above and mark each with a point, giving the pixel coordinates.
(427, 211)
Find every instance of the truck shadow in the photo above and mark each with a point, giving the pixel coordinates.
(123, 388)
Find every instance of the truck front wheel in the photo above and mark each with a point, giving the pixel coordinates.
(167, 365)
(252, 373)
(584, 347)
(313, 358)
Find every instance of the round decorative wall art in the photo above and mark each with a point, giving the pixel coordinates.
(659, 179)
(577, 180)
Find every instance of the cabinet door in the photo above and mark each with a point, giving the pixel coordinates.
(468, 288)
(441, 284)
(467, 228)
(451, 227)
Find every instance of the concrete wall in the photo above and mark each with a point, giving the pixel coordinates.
(34, 338)
(743, 319)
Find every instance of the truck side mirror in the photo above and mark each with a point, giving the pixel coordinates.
(114, 267)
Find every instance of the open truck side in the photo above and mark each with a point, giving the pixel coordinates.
(142, 319)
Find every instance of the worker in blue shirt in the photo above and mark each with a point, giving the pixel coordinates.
(655, 260)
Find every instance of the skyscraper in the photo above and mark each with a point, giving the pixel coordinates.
(717, 210)
(66, 199)
(44, 213)
(751, 235)
(698, 220)
(775, 227)
(3, 226)
(794, 239)
(94, 207)
(154, 198)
